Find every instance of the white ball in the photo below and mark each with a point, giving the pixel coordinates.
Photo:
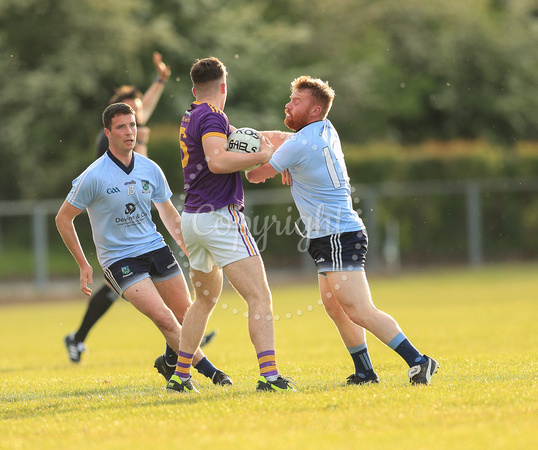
(244, 140)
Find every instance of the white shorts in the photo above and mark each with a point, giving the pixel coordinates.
(217, 238)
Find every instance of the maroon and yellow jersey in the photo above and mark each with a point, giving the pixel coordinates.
(206, 191)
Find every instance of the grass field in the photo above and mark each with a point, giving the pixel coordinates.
(479, 324)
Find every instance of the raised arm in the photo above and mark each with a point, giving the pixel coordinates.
(154, 92)
(64, 222)
(172, 221)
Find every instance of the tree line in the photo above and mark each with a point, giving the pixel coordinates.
(404, 72)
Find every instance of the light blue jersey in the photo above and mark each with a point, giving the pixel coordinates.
(320, 185)
(118, 200)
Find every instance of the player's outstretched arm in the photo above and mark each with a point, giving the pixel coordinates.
(261, 173)
(154, 92)
(276, 138)
(66, 228)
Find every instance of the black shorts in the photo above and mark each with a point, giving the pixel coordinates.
(342, 252)
(159, 264)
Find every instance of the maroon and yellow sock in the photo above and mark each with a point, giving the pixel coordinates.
(267, 363)
(184, 364)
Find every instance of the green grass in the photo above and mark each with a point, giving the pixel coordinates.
(479, 324)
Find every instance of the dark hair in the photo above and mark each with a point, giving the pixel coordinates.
(319, 89)
(116, 109)
(206, 70)
(124, 93)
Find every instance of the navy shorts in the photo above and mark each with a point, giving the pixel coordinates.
(341, 252)
(159, 264)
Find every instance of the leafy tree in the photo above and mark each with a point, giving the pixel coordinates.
(256, 46)
(405, 71)
(416, 70)
(55, 75)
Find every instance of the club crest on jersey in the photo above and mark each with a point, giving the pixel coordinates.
(145, 186)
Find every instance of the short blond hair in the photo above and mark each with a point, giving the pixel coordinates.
(319, 89)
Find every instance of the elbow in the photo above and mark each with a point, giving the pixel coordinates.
(60, 225)
(217, 168)
(61, 222)
(251, 177)
(259, 174)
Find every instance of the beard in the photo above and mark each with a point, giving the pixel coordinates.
(288, 121)
(294, 123)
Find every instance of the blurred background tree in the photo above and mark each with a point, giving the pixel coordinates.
(404, 72)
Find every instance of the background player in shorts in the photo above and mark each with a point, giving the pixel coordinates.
(214, 228)
(118, 190)
(312, 162)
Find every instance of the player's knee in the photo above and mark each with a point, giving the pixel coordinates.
(334, 311)
(365, 318)
(259, 301)
(165, 321)
(206, 301)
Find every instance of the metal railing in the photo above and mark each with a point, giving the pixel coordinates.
(370, 196)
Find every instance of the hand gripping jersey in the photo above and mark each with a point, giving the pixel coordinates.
(320, 187)
(206, 191)
(118, 200)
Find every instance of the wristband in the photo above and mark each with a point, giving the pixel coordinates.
(158, 79)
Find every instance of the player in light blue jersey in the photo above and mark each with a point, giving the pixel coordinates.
(312, 162)
(102, 299)
(320, 187)
(117, 191)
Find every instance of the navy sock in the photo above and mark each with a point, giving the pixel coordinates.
(401, 345)
(361, 359)
(206, 368)
(170, 356)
